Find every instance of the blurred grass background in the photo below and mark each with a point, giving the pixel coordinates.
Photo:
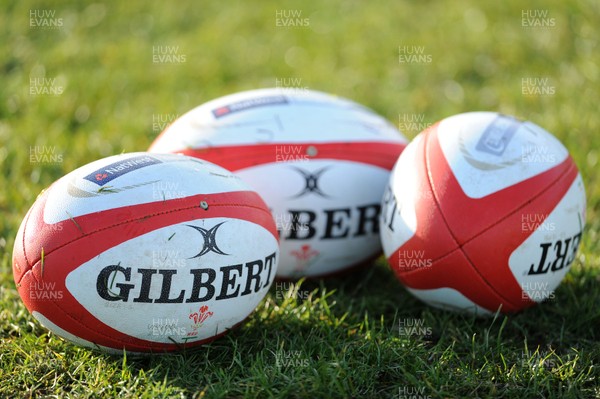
(101, 57)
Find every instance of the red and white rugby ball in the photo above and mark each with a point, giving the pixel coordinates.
(483, 212)
(320, 162)
(145, 252)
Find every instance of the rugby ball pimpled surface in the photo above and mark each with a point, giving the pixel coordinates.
(320, 162)
(145, 252)
(483, 212)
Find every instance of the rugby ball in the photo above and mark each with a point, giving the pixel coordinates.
(320, 162)
(145, 252)
(483, 212)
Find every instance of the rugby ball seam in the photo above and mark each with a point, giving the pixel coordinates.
(146, 217)
(28, 265)
(234, 158)
(508, 215)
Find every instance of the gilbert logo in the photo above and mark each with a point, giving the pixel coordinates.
(556, 255)
(210, 240)
(311, 182)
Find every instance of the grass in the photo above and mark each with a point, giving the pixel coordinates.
(339, 337)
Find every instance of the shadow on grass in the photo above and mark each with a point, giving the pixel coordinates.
(319, 321)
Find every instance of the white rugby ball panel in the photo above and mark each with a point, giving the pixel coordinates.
(64, 334)
(540, 263)
(506, 152)
(132, 179)
(152, 291)
(319, 183)
(275, 116)
(398, 214)
(326, 220)
(448, 299)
